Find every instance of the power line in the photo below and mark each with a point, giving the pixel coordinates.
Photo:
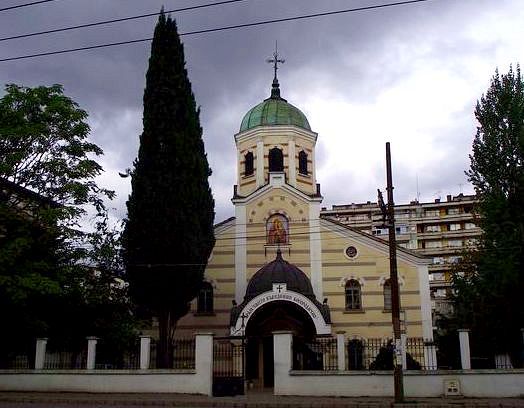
(116, 20)
(224, 28)
(33, 3)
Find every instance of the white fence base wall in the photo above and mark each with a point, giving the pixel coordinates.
(168, 381)
(474, 383)
(197, 381)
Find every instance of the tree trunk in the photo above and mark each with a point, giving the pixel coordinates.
(163, 349)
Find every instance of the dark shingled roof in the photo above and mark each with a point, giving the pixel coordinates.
(279, 271)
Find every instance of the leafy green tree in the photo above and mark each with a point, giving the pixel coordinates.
(169, 235)
(55, 279)
(44, 148)
(491, 285)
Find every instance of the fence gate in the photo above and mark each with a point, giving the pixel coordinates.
(228, 366)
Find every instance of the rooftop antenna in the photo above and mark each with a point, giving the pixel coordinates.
(418, 191)
(275, 90)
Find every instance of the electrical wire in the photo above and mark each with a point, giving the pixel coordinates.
(217, 29)
(116, 20)
(33, 3)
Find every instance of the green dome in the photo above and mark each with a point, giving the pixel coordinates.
(274, 111)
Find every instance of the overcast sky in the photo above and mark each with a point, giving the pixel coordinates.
(410, 75)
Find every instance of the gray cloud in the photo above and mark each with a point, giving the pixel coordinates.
(410, 75)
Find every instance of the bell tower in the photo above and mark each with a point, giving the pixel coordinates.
(276, 197)
(275, 141)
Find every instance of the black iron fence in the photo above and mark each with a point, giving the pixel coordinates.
(378, 354)
(489, 358)
(317, 354)
(421, 351)
(228, 366)
(65, 360)
(228, 357)
(17, 361)
(117, 357)
(183, 354)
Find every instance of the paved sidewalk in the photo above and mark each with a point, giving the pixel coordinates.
(252, 400)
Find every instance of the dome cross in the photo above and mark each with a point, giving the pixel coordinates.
(275, 61)
(275, 90)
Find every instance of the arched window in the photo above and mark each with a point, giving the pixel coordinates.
(302, 163)
(248, 164)
(277, 230)
(387, 295)
(276, 160)
(205, 298)
(353, 301)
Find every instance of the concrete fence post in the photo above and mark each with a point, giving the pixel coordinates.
(204, 361)
(282, 356)
(465, 358)
(41, 344)
(145, 352)
(91, 352)
(403, 351)
(341, 350)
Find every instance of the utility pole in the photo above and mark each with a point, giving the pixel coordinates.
(388, 214)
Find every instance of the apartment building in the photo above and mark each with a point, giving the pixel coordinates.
(440, 230)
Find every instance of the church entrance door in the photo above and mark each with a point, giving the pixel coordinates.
(274, 316)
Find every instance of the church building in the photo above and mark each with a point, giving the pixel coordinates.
(279, 265)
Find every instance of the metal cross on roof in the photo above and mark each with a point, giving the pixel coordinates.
(275, 60)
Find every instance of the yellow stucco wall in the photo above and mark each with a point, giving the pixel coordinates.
(370, 267)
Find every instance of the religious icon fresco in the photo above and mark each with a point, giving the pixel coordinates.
(277, 229)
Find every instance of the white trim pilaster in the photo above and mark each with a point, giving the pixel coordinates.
(313, 169)
(465, 359)
(145, 352)
(341, 350)
(240, 252)
(260, 162)
(425, 302)
(292, 165)
(315, 250)
(40, 350)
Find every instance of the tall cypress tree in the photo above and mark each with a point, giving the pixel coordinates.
(169, 231)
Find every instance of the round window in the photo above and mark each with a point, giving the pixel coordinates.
(351, 251)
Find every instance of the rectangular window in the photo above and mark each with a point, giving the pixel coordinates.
(453, 211)
(432, 228)
(437, 276)
(433, 244)
(454, 259)
(454, 227)
(432, 213)
(401, 229)
(469, 225)
(455, 243)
